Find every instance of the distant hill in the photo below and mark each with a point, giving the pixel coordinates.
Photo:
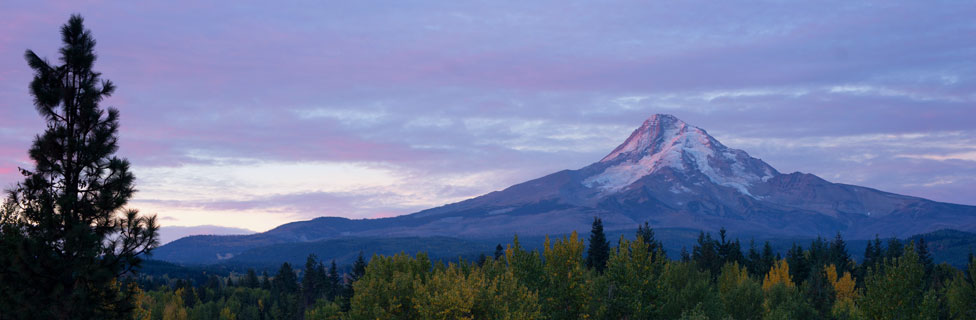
(949, 246)
(169, 233)
(668, 173)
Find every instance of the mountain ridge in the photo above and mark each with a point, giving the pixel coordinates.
(668, 173)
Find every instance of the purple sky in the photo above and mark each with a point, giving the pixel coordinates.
(252, 115)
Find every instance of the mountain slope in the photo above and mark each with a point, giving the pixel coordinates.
(170, 233)
(669, 173)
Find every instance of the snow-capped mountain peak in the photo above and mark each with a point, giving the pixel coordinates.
(664, 141)
(660, 132)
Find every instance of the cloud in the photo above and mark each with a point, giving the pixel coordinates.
(965, 156)
(379, 110)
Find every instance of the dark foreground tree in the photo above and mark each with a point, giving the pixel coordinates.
(66, 238)
(599, 251)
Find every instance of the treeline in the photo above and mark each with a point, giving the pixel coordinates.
(570, 279)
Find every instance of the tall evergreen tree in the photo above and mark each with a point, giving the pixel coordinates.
(333, 282)
(819, 292)
(646, 233)
(358, 271)
(599, 251)
(872, 260)
(358, 267)
(286, 293)
(499, 251)
(877, 250)
(799, 265)
(65, 234)
(838, 255)
(734, 253)
(754, 260)
(251, 280)
(819, 253)
(895, 249)
(265, 281)
(924, 257)
(685, 256)
(705, 253)
(312, 285)
(768, 257)
(285, 280)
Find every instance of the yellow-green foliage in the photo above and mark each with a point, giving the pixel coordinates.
(684, 288)
(961, 296)
(554, 284)
(402, 287)
(388, 288)
(628, 288)
(742, 296)
(174, 307)
(845, 293)
(324, 310)
(507, 299)
(448, 294)
(899, 291)
(778, 274)
(565, 294)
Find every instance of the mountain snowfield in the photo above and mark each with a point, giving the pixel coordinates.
(668, 173)
(665, 141)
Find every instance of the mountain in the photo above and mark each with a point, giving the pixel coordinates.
(668, 173)
(170, 233)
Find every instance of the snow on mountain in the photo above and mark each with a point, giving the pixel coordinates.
(664, 141)
(668, 173)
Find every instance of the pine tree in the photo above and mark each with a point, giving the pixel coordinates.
(251, 280)
(872, 260)
(499, 251)
(359, 267)
(311, 284)
(599, 251)
(285, 280)
(706, 255)
(922, 249)
(877, 251)
(799, 265)
(286, 292)
(65, 234)
(869, 258)
(734, 253)
(819, 253)
(768, 258)
(819, 292)
(646, 233)
(265, 281)
(839, 256)
(754, 264)
(358, 272)
(333, 282)
(895, 249)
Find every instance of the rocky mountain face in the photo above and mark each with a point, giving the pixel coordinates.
(668, 173)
